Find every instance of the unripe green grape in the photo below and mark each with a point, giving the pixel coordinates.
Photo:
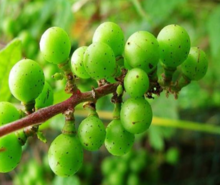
(8, 113)
(55, 45)
(142, 51)
(115, 178)
(45, 98)
(10, 153)
(118, 141)
(136, 115)
(99, 61)
(91, 133)
(136, 82)
(196, 64)
(26, 80)
(65, 155)
(111, 34)
(108, 165)
(77, 63)
(133, 179)
(174, 44)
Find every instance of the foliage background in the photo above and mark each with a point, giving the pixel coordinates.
(196, 158)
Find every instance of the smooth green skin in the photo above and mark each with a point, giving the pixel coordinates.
(45, 98)
(99, 61)
(136, 82)
(26, 80)
(174, 44)
(118, 141)
(77, 63)
(65, 155)
(142, 51)
(55, 45)
(196, 64)
(91, 133)
(111, 34)
(8, 113)
(136, 115)
(10, 153)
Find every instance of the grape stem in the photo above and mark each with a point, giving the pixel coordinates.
(44, 114)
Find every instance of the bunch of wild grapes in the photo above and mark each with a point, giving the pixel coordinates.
(131, 65)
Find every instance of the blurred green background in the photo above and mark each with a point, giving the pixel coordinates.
(165, 154)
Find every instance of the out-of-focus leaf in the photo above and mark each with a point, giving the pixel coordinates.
(64, 15)
(213, 29)
(159, 10)
(156, 138)
(165, 107)
(8, 57)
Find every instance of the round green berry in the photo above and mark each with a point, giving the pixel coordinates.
(142, 51)
(196, 64)
(136, 82)
(99, 61)
(26, 80)
(118, 141)
(91, 133)
(174, 44)
(45, 98)
(65, 155)
(77, 63)
(8, 113)
(10, 153)
(55, 45)
(111, 34)
(136, 115)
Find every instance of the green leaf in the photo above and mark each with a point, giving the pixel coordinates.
(8, 57)
(213, 29)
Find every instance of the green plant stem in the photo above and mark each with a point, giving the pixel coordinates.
(70, 84)
(188, 125)
(179, 124)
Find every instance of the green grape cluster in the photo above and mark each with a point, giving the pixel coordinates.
(128, 70)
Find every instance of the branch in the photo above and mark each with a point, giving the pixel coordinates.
(46, 113)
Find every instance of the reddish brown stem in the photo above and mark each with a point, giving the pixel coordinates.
(46, 113)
